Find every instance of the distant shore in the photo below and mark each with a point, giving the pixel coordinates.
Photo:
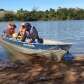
(47, 15)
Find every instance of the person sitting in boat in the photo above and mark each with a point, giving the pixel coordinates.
(30, 33)
(22, 32)
(10, 30)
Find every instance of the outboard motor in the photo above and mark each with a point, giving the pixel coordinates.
(68, 57)
(40, 40)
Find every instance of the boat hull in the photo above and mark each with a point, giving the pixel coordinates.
(34, 48)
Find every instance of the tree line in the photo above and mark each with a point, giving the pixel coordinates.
(35, 15)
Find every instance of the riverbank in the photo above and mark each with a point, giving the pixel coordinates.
(39, 70)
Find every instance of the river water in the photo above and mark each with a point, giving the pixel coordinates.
(67, 31)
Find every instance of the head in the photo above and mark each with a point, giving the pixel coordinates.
(28, 26)
(23, 25)
(9, 25)
(13, 26)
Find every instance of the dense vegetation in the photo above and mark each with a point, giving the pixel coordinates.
(35, 15)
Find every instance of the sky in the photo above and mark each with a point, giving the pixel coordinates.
(40, 4)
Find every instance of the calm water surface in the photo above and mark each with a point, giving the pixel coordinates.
(67, 31)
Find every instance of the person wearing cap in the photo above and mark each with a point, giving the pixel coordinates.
(10, 30)
(24, 32)
(28, 32)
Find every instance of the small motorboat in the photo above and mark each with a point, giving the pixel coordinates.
(35, 48)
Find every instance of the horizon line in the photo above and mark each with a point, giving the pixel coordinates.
(40, 9)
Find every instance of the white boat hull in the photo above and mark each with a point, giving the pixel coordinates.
(47, 46)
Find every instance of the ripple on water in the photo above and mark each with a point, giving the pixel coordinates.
(3, 54)
(5, 61)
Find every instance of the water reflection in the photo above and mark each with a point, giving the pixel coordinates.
(3, 54)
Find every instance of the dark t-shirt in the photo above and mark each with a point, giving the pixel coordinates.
(33, 33)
